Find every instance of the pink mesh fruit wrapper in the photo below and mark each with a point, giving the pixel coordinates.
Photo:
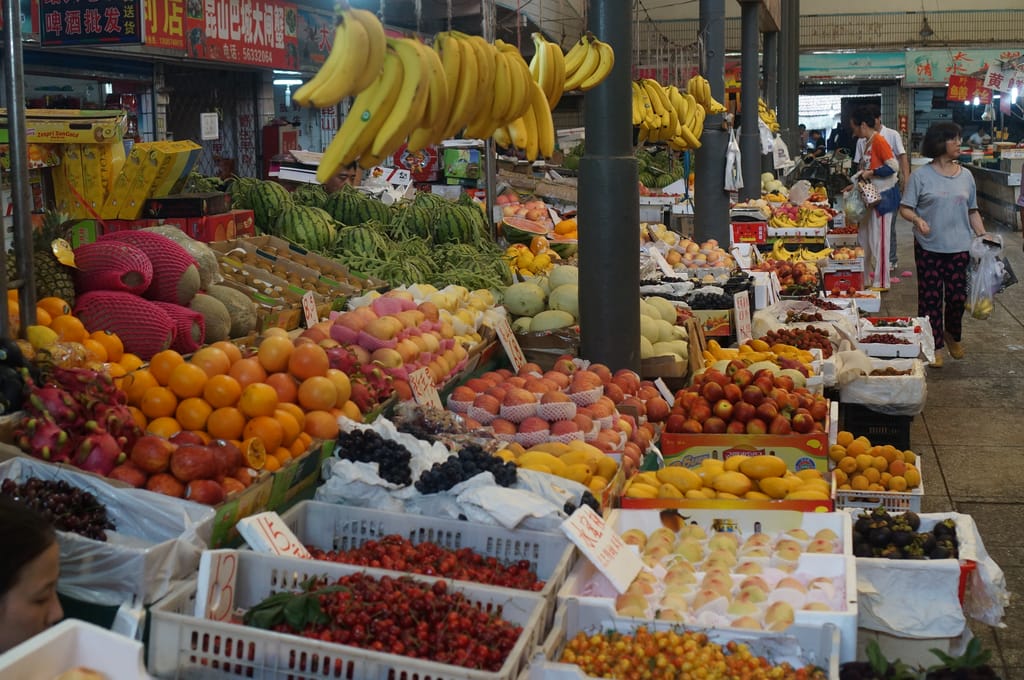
(112, 266)
(170, 264)
(143, 327)
(189, 327)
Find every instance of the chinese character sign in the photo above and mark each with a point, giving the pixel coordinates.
(165, 23)
(315, 38)
(89, 22)
(957, 89)
(254, 32)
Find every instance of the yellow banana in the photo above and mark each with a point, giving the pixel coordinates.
(466, 95)
(545, 126)
(502, 101)
(638, 105)
(532, 140)
(518, 132)
(344, 67)
(486, 63)
(604, 66)
(557, 59)
(590, 63)
(576, 54)
(364, 120)
(521, 78)
(411, 102)
(378, 46)
(541, 68)
(502, 137)
(438, 102)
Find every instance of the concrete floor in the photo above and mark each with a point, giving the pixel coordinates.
(968, 433)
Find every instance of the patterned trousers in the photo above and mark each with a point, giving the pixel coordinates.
(941, 291)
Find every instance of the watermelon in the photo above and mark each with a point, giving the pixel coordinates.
(520, 230)
(268, 200)
(311, 228)
(312, 195)
(565, 247)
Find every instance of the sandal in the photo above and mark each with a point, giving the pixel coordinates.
(956, 350)
(937, 363)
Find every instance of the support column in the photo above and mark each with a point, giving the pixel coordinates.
(789, 76)
(488, 13)
(750, 138)
(711, 205)
(609, 210)
(21, 192)
(770, 68)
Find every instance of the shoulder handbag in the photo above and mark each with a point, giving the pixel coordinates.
(868, 193)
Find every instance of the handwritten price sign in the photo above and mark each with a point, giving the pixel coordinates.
(215, 596)
(421, 384)
(266, 532)
(309, 309)
(511, 345)
(603, 547)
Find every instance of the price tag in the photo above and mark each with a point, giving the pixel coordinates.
(666, 393)
(774, 288)
(309, 309)
(421, 384)
(509, 342)
(63, 252)
(662, 263)
(744, 332)
(267, 533)
(215, 595)
(603, 547)
(839, 220)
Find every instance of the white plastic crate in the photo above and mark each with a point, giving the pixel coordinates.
(893, 501)
(183, 646)
(340, 527)
(801, 644)
(73, 644)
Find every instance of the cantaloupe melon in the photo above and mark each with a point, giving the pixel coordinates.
(524, 299)
(216, 316)
(241, 309)
(550, 320)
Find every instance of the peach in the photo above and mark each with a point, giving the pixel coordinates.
(557, 377)
(680, 577)
(584, 380)
(602, 371)
(555, 397)
(756, 552)
(826, 534)
(705, 597)
(728, 557)
(792, 583)
(749, 567)
(779, 616)
(739, 607)
(724, 540)
(517, 396)
(746, 622)
(533, 424)
(529, 367)
(463, 393)
(585, 423)
(757, 540)
(486, 402)
(602, 410)
(821, 545)
(502, 426)
(720, 583)
(614, 392)
(564, 427)
(515, 381)
(635, 537)
(497, 392)
(675, 601)
(669, 614)
(798, 534)
(817, 607)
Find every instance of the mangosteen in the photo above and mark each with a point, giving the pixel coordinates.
(863, 525)
(862, 549)
(880, 513)
(912, 518)
(901, 538)
(891, 552)
(927, 541)
(944, 528)
(938, 553)
(912, 552)
(880, 537)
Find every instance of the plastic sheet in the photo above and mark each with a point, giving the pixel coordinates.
(895, 395)
(156, 543)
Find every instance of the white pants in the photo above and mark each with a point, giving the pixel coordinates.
(875, 238)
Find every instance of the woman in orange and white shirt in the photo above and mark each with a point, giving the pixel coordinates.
(880, 167)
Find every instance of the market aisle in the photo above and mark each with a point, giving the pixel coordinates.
(970, 435)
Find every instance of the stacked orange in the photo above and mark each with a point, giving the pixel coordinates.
(285, 395)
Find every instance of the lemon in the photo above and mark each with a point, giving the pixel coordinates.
(541, 262)
(41, 337)
(525, 260)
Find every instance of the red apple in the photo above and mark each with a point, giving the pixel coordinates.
(779, 425)
(714, 425)
(779, 395)
(742, 377)
(692, 426)
(674, 423)
(717, 376)
(756, 426)
(767, 410)
(819, 409)
(736, 427)
(802, 422)
(657, 409)
(712, 391)
(723, 409)
(764, 383)
(733, 392)
(700, 412)
(765, 373)
(734, 366)
(743, 411)
(784, 381)
(753, 395)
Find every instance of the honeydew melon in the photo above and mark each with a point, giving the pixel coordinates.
(666, 309)
(566, 298)
(550, 320)
(563, 274)
(524, 299)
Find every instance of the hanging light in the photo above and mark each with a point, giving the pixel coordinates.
(926, 30)
(976, 100)
(1014, 93)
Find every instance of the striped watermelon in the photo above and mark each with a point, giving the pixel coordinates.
(309, 227)
(267, 201)
(343, 205)
(312, 195)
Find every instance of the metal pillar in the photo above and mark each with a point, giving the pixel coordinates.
(21, 195)
(609, 204)
(488, 12)
(789, 76)
(711, 201)
(770, 68)
(750, 137)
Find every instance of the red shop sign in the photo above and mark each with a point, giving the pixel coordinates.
(253, 32)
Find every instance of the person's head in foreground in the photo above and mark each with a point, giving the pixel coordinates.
(29, 567)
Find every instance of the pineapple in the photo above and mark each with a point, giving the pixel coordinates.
(52, 279)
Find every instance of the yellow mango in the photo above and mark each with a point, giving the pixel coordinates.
(640, 490)
(597, 485)
(732, 464)
(728, 496)
(756, 496)
(682, 478)
(506, 455)
(761, 467)
(649, 478)
(735, 483)
(554, 448)
(580, 472)
(669, 491)
(607, 466)
(537, 467)
(696, 495)
(809, 474)
(792, 481)
(580, 445)
(541, 458)
(807, 495)
(816, 484)
(572, 458)
(774, 487)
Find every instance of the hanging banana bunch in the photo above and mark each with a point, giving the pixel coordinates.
(699, 87)
(664, 114)
(587, 63)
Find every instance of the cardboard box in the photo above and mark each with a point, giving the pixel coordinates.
(64, 126)
(840, 280)
(423, 166)
(190, 225)
(743, 231)
(189, 205)
(715, 322)
(245, 223)
(461, 163)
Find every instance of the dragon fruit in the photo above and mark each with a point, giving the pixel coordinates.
(378, 380)
(343, 358)
(118, 421)
(99, 452)
(55, 402)
(43, 438)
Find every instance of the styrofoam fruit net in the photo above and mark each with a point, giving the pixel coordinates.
(587, 397)
(519, 412)
(529, 439)
(558, 410)
(480, 415)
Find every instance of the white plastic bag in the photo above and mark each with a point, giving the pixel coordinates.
(985, 275)
(733, 166)
(780, 154)
(767, 143)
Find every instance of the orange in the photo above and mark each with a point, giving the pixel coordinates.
(342, 384)
(193, 413)
(254, 453)
(115, 371)
(317, 394)
(54, 306)
(187, 380)
(290, 427)
(873, 475)
(897, 483)
(212, 360)
(226, 423)
(222, 390)
(300, 445)
(283, 455)
(163, 427)
(271, 464)
(267, 429)
(112, 343)
(274, 353)
(97, 351)
(844, 438)
(307, 361)
(158, 402)
(43, 317)
(275, 331)
(163, 363)
(130, 361)
(351, 411)
(136, 383)
(247, 371)
(258, 399)
(69, 328)
(296, 412)
(229, 348)
(285, 386)
(139, 417)
(321, 425)
(858, 446)
(205, 436)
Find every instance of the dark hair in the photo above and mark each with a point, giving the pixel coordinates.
(25, 534)
(933, 144)
(863, 114)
